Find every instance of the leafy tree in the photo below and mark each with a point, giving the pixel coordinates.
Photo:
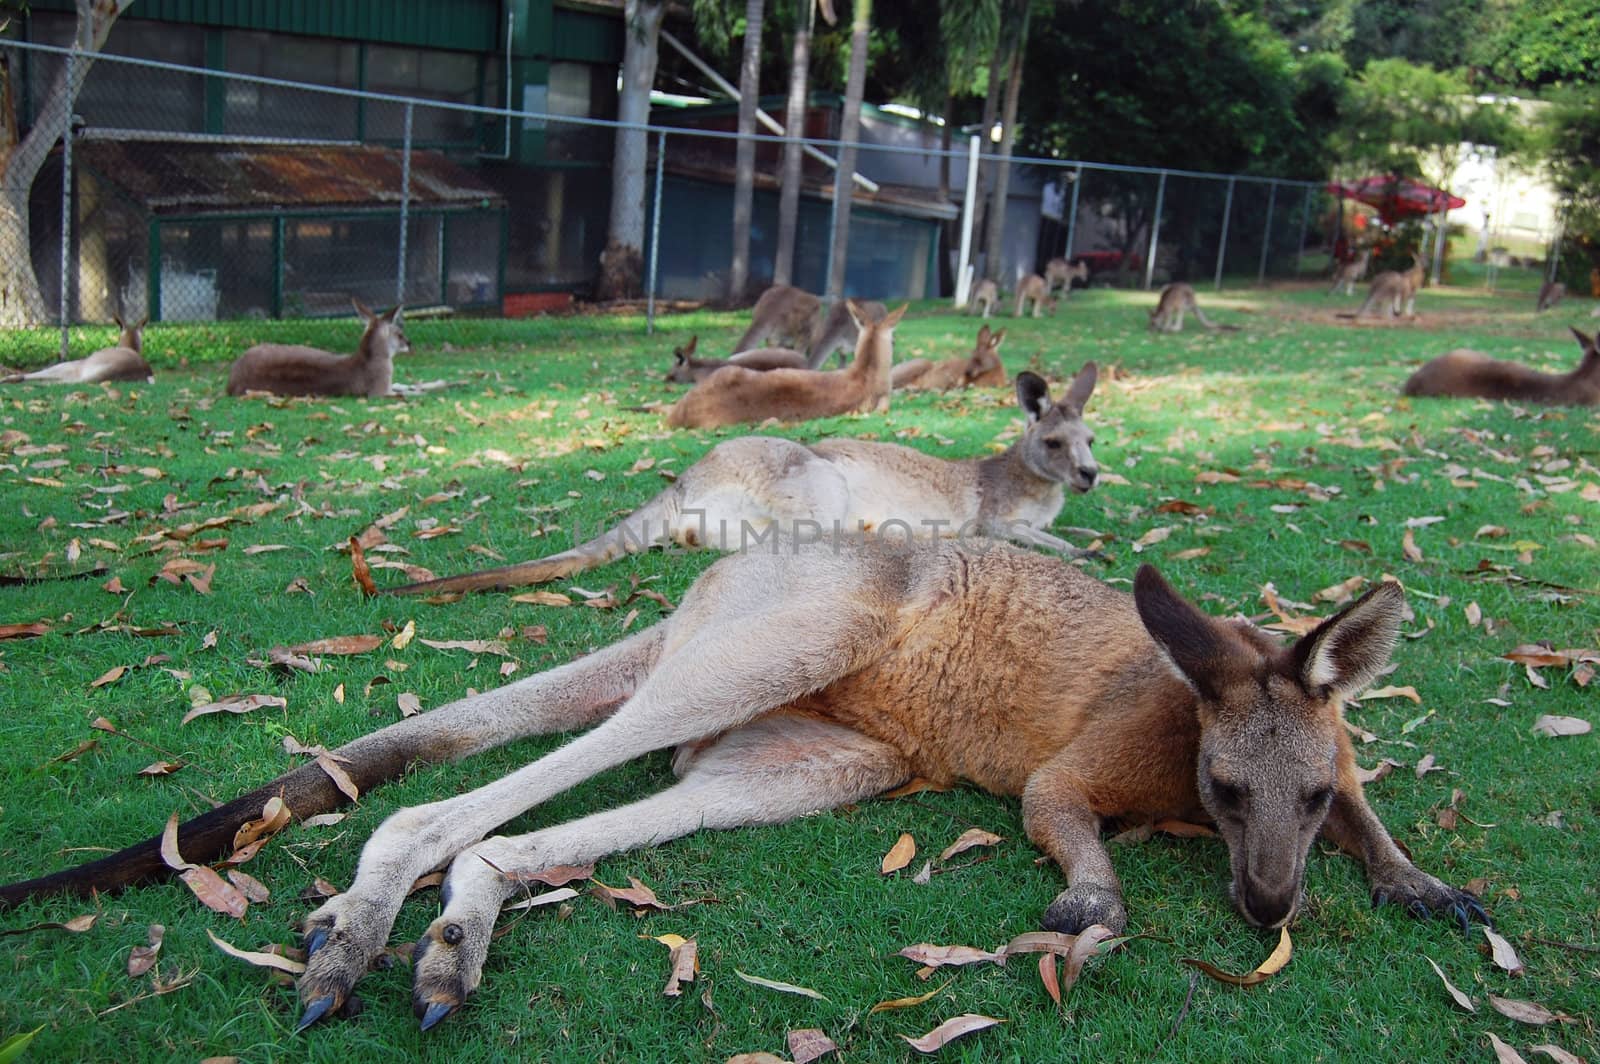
(1407, 118)
(1434, 32)
(849, 134)
(1570, 130)
(1537, 43)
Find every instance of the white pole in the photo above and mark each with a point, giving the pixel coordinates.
(963, 268)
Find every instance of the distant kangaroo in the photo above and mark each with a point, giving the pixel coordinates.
(1395, 290)
(1033, 288)
(124, 362)
(985, 295)
(785, 314)
(982, 368)
(734, 394)
(796, 682)
(1346, 274)
(1550, 293)
(687, 369)
(746, 487)
(289, 369)
(1463, 373)
(1175, 299)
(837, 332)
(1058, 271)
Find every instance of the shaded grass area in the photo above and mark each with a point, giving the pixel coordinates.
(535, 442)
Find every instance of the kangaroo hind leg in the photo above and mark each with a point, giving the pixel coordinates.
(767, 772)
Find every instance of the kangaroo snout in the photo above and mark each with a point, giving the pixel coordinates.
(1266, 904)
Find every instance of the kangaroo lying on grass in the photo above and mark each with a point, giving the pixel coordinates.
(985, 295)
(687, 369)
(791, 683)
(1464, 373)
(734, 394)
(747, 487)
(1058, 271)
(1394, 289)
(1346, 274)
(124, 362)
(290, 369)
(794, 319)
(1175, 299)
(1033, 288)
(982, 368)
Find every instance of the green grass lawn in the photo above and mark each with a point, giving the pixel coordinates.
(536, 438)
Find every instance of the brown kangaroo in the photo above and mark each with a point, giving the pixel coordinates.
(1175, 299)
(1346, 274)
(1033, 288)
(837, 332)
(791, 682)
(290, 369)
(1395, 290)
(124, 362)
(1550, 293)
(1058, 271)
(687, 369)
(782, 313)
(1463, 373)
(745, 489)
(985, 296)
(982, 368)
(734, 394)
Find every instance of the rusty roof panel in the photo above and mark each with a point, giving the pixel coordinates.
(198, 177)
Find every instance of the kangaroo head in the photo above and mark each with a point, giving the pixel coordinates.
(1270, 732)
(1056, 445)
(682, 371)
(985, 354)
(131, 336)
(385, 335)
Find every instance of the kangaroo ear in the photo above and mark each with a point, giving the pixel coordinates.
(694, 342)
(997, 339)
(1192, 641)
(891, 319)
(1585, 342)
(362, 309)
(1033, 395)
(142, 322)
(118, 319)
(394, 316)
(1346, 652)
(1082, 387)
(983, 337)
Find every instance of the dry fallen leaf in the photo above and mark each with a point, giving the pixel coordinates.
(1556, 1053)
(808, 1044)
(341, 778)
(160, 768)
(1260, 974)
(542, 598)
(143, 958)
(1504, 1054)
(338, 645)
(1556, 727)
(916, 786)
(950, 1030)
(1528, 1012)
(1340, 593)
(1152, 537)
(77, 926)
(1047, 976)
(1474, 614)
(1408, 546)
(682, 961)
(934, 956)
(111, 675)
(773, 984)
(410, 704)
(899, 855)
(1392, 692)
(404, 636)
(235, 704)
(1505, 958)
(970, 838)
(260, 960)
(251, 887)
(637, 895)
(908, 1002)
(359, 570)
(1456, 995)
(476, 646)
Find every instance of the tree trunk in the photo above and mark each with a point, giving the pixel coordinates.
(622, 262)
(794, 118)
(849, 133)
(20, 301)
(744, 166)
(995, 242)
(991, 111)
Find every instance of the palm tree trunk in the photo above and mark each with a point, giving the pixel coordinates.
(794, 118)
(995, 242)
(622, 262)
(744, 173)
(849, 133)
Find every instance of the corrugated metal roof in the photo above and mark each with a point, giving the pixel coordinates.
(189, 177)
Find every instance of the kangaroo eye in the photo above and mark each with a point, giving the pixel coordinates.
(1054, 445)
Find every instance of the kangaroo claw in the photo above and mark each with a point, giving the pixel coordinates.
(315, 1011)
(436, 1011)
(315, 938)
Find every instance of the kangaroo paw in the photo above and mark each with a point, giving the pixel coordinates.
(448, 966)
(1083, 905)
(1424, 896)
(342, 940)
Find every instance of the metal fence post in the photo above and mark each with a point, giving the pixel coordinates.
(1072, 213)
(655, 238)
(1305, 223)
(405, 210)
(969, 203)
(1155, 232)
(1222, 243)
(1266, 231)
(66, 203)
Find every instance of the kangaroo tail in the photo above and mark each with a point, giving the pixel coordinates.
(307, 790)
(1202, 319)
(635, 534)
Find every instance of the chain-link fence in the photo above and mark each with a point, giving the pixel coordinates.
(181, 192)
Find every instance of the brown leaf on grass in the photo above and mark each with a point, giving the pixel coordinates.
(77, 926)
(235, 704)
(970, 838)
(1340, 593)
(549, 897)
(1536, 678)
(1556, 1053)
(258, 959)
(682, 962)
(808, 1044)
(1426, 765)
(1556, 727)
(908, 1002)
(636, 895)
(322, 820)
(77, 751)
(782, 988)
(1457, 996)
(1529, 1012)
(899, 855)
(338, 645)
(360, 571)
(1392, 692)
(114, 586)
(410, 705)
(26, 630)
(341, 778)
(542, 598)
(1535, 655)
(1408, 546)
(214, 892)
(1504, 1054)
(142, 958)
(1152, 537)
(275, 816)
(558, 876)
(1260, 974)
(248, 885)
(404, 636)
(950, 1030)
(1047, 976)
(476, 646)
(111, 675)
(751, 1058)
(916, 786)
(1473, 613)
(160, 768)
(935, 956)
(1505, 958)
(1090, 940)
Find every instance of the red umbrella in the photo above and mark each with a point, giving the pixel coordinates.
(1396, 197)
